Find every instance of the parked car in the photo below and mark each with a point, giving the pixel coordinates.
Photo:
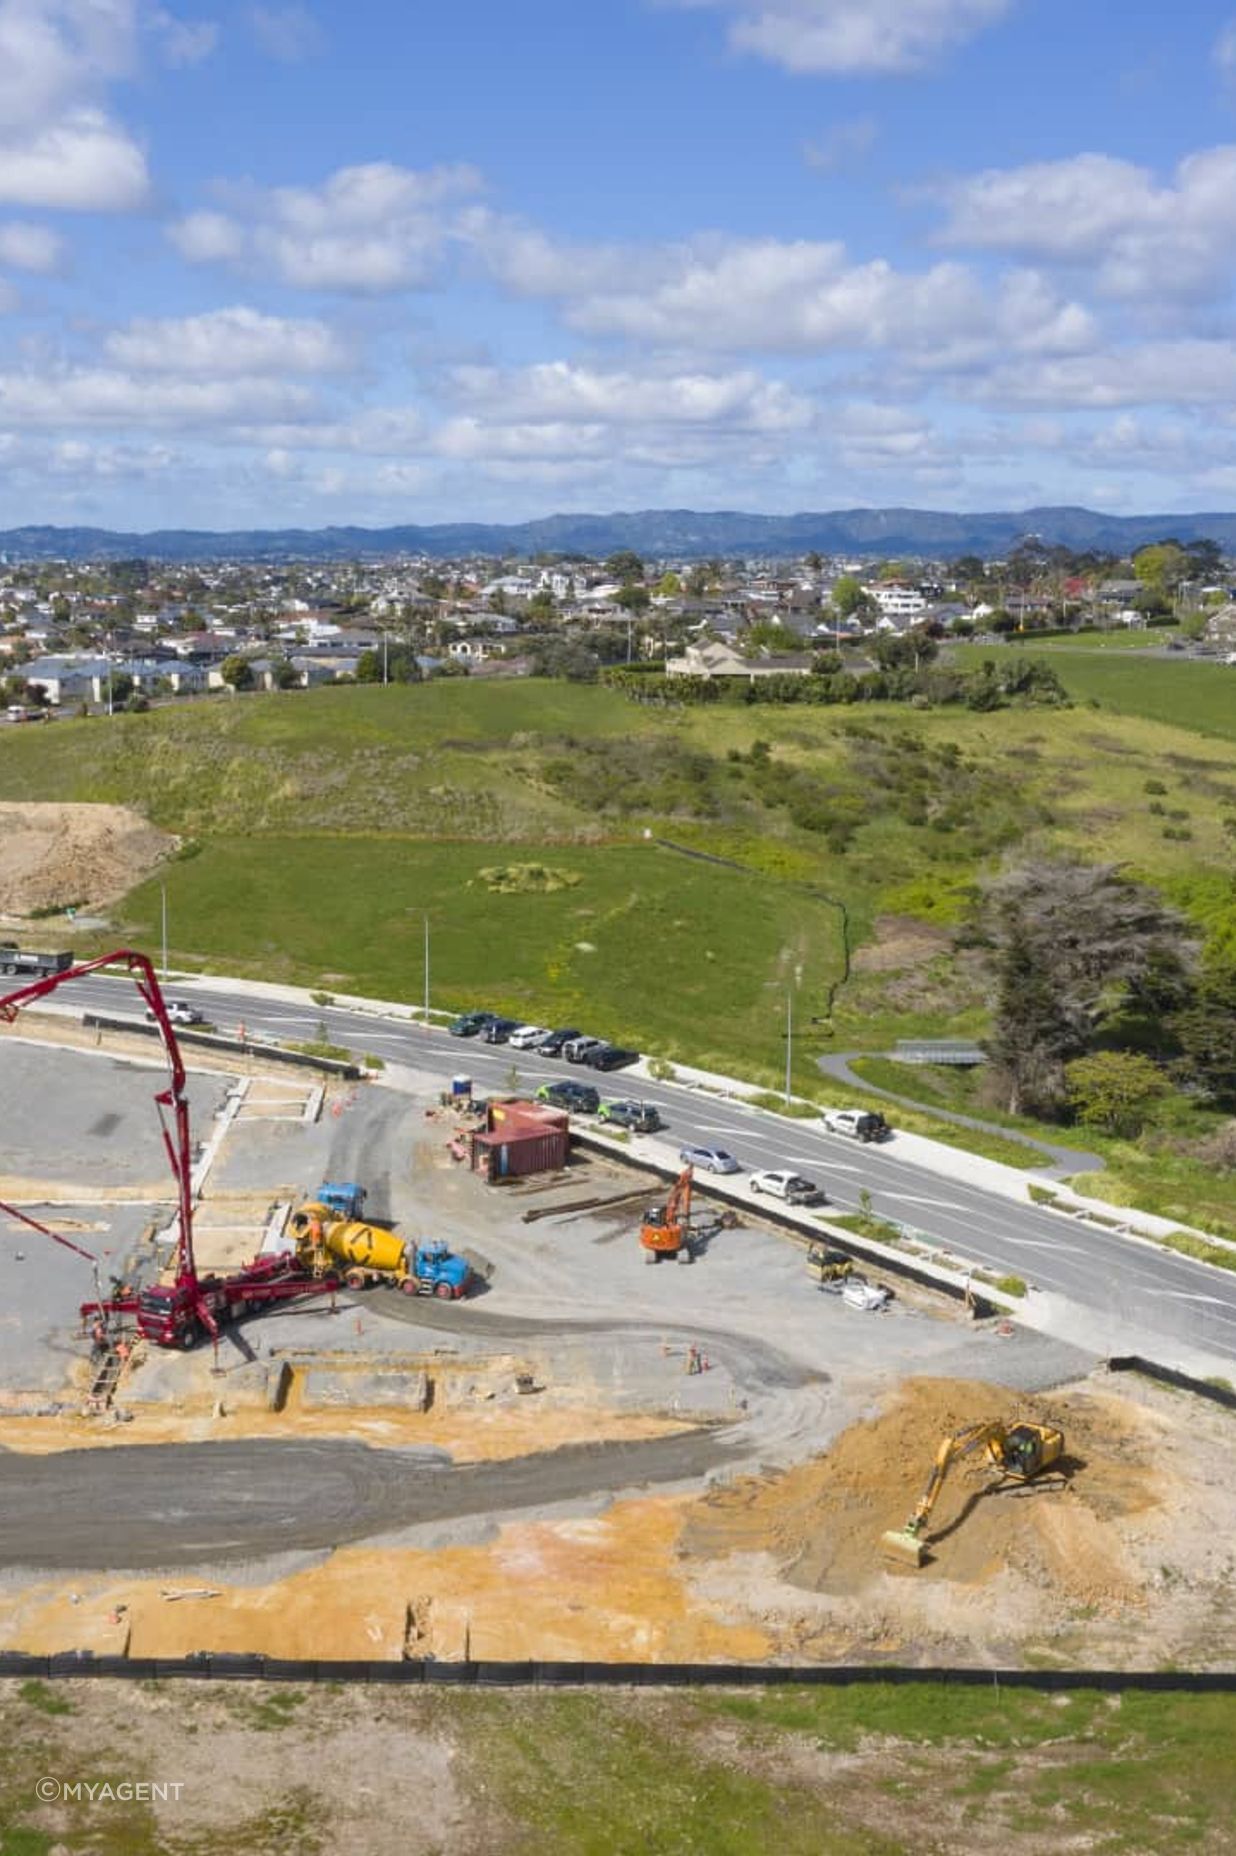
(709, 1159)
(791, 1187)
(468, 1024)
(527, 1037)
(580, 1098)
(577, 1049)
(498, 1030)
(180, 1013)
(552, 1044)
(639, 1117)
(861, 1124)
(610, 1057)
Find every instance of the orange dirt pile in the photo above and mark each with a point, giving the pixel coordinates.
(821, 1522)
(606, 1587)
(53, 856)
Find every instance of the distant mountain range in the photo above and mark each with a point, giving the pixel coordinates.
(675, 534)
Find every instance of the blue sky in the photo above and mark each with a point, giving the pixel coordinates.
(274, 264)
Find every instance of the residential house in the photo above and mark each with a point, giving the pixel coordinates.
(715, 659)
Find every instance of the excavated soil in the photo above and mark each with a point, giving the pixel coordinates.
(58, 856)
(822, 1521)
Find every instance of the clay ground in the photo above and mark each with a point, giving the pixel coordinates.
(814, 1427)
(73, 856)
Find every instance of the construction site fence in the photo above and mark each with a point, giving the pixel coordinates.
(1218, 1392)
(885, 1259)
(249, 1047)
(233, 1667)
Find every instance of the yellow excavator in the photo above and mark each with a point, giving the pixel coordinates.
(1019, 1451)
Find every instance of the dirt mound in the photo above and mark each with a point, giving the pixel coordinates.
(61, 856)
(822, 1521)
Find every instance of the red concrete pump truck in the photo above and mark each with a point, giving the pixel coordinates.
(178, 1313)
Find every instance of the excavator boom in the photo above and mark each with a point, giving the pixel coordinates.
(1019, 1451)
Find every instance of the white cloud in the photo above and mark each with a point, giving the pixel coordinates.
(806, 297)
(1166, 373)
(110, 397)
(84, 163)
(228, 342)
(1223, 52)
(369, 229)
(30, 248)
(208, 238)
(845, 37)
(288, 33)
(183, 41)
(1139, 237)
(841, 146)
(58, 145)
(560, 391)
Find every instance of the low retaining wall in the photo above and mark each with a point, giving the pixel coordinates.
(428, 1673)
(248, 1047)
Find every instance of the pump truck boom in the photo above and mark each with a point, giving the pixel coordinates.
(175, 1314)
(1019, 1451)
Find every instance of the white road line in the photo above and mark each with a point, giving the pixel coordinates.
(912, 1198)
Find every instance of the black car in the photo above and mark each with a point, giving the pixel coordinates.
(610, 1057)
(552, 1045)
(469, 1023)
(498, 1030)
(582, 1098)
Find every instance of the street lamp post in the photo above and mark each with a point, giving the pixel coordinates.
(789, 1043)
(424, 914)
(163, 898)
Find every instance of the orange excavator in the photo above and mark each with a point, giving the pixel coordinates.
(666, 1230)
(1018, 1451)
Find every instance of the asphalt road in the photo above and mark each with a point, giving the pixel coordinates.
(1100, 1270)
(148, 1505)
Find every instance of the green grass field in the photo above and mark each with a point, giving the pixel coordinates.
(1198, 697)
(877, 1770)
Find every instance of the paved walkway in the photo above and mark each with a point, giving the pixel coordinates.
(1063, 1161)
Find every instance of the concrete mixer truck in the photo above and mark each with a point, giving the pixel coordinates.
(365, 1254)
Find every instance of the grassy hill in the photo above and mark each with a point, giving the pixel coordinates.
(317, 826)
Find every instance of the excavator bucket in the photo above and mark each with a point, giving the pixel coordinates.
(904, 1546)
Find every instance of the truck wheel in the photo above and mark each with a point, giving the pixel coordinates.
(354, 1279)
(409, 1285)
(756, 1189)
(444, 1292)
(188, 1337)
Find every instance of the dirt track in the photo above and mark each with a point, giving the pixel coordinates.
(183, 1505)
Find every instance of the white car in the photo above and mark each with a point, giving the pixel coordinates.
(179, 1013)
(869, 1296)
(527, 1037)
(791, 1187)
(860, 1124)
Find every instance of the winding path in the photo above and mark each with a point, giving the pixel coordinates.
(1064, 1160)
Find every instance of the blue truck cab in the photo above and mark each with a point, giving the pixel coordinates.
(343, 1197)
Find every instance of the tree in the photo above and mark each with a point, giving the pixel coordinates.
(1161, 567)
(400, 665)
(848, 597)
(237, 672)
(1205, 1029)
(762, 636)
(625, 565)
(1115, 1090)
(908, 650)
(634, 598)
(285, 673)
(1070, 945)
(669, 586)
(813, 562)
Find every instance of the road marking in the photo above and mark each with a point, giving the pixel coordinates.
(912, 1198)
